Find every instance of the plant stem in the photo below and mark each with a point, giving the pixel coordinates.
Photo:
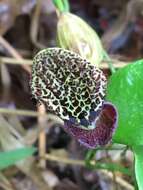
(138, 152)
(62, 5)
(109, 61)
(108, 166)
(66, 5)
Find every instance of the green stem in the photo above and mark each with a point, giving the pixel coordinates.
(107, 166)
(111, 167)
(138, 152)
(62, 5)
(109, 61)
(66, 5)
(89, 156)
(59, 5)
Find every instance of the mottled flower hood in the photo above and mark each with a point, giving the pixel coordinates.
(74, 89)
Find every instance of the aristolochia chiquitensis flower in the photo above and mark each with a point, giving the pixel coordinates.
(74, 89)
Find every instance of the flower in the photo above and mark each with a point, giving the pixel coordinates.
(74, 89)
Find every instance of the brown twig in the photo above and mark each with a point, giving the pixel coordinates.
(103, 65)
(13, 53)
(63, 160)
(42, 135)
(29, 113)
(13, 61)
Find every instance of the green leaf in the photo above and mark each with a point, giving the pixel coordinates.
(138, 152)
(125, 91)
(11, 157)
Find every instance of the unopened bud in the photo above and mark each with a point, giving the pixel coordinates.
(76, 35)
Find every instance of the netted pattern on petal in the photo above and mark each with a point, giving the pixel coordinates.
(68, 85)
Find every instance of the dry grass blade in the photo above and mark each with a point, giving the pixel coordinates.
(35, 25)
(4, 183)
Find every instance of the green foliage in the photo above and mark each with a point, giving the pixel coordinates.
(125, 91)
(11, 157)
